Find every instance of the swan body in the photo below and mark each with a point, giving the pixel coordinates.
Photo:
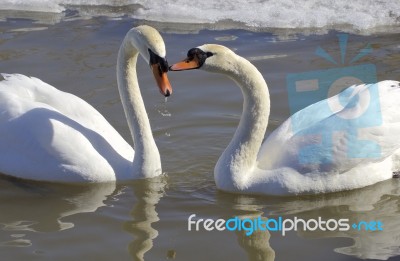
(50, 135)
(296, 160)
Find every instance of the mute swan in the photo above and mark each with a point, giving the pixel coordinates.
(50, 135)
(277, 165)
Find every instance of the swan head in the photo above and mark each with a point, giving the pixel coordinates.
(208, 57)
(151, 47)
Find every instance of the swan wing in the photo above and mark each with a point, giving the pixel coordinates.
(45, 132)
(358, 126)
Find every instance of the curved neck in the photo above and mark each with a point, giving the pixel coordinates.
(146, 162)
(240, 156)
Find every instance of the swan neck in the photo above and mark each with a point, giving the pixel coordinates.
(146, 161)
(240, 157)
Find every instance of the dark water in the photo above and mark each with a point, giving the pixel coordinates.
(149, 219)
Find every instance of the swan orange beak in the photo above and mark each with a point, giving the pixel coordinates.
(185, 65)
(162, 80)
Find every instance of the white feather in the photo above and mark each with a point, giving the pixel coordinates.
(277, 165)
(50, 135)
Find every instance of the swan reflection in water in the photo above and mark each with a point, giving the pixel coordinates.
(380, 202)
(41, 207)
(256, 245)
(31, 213)
(147, 193)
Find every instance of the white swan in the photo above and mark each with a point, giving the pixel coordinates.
(50, 135)
(282, 164)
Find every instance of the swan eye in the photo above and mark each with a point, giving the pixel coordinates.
(198, 55)
(163, 64)
(160, 70)
(157, 60)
